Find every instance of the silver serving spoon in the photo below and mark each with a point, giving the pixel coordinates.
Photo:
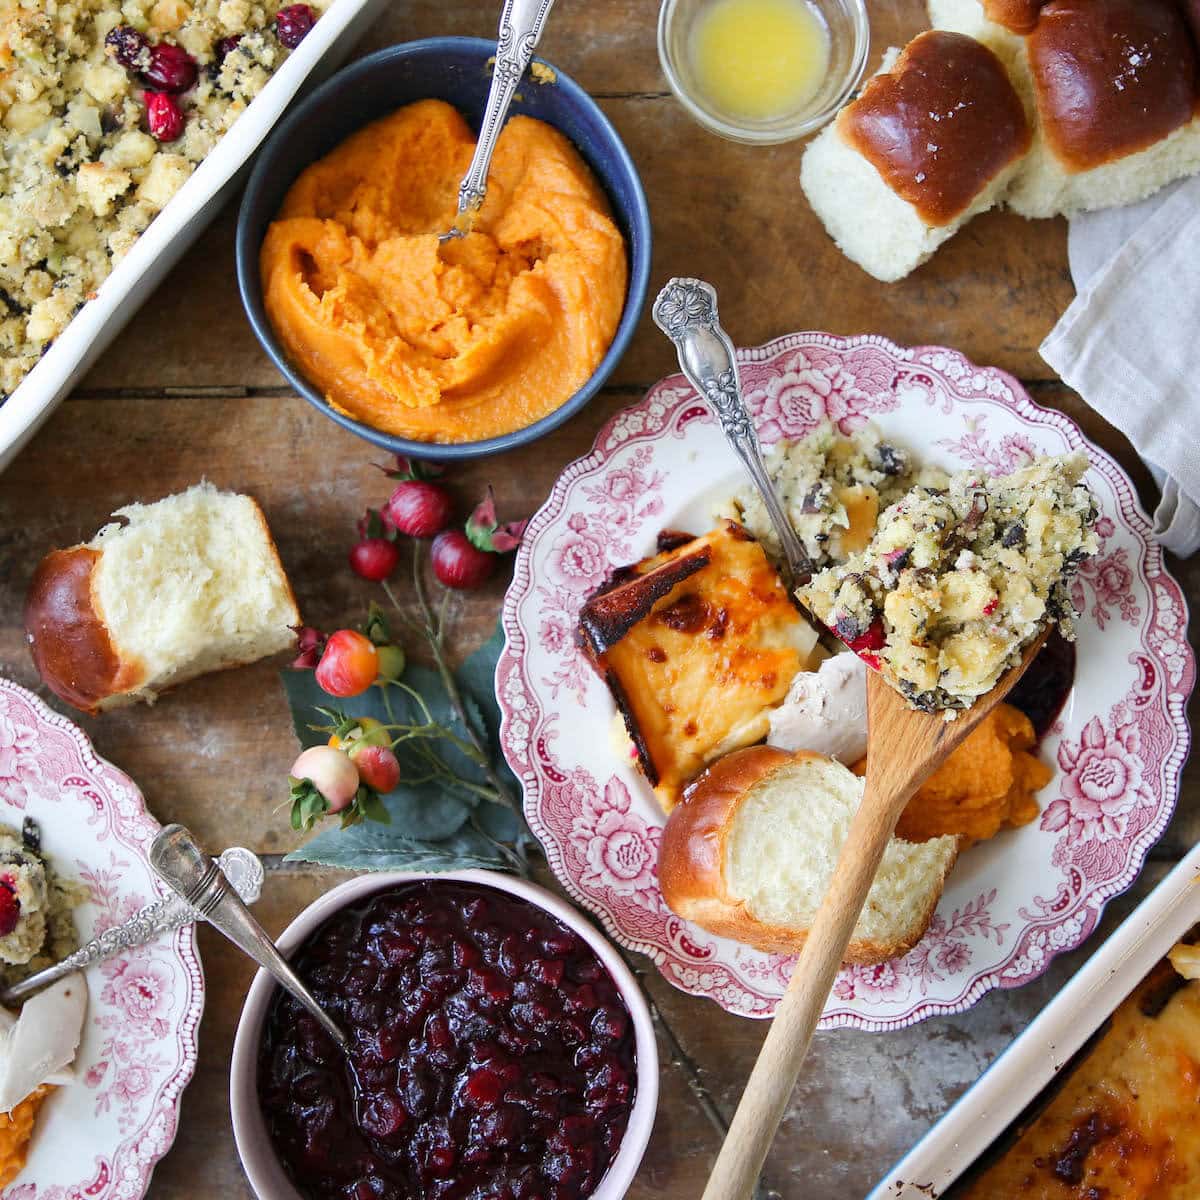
(184, 867)
(521, 25)
(164, 915)
(686, 311)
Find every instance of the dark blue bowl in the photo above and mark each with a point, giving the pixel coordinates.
(454, 69)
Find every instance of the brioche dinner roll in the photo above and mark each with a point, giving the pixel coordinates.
(1115, 87)
(750, 853)
(933, 139)
(171, 590)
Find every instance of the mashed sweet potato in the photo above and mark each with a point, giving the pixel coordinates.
(987, 784)
(473, 339)
(16, 1131)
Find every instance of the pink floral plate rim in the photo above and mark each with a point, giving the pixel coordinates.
(1011, 905)
(102, 1136)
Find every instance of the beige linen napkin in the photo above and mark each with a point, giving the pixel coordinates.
(1130, 342)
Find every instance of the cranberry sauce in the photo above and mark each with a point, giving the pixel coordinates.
(493, 1056)
(1043, 690)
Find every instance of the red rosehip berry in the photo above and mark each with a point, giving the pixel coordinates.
(374, 558)
(458, 564)
(293, 23)
(164, 116)
(349, 665)
(10, 910)
(419, 509)
(171, 69)
(377, 766)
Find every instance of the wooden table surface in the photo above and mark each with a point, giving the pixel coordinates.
(186, 393)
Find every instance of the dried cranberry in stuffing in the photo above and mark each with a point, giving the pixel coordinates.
(10, 909)
(164, 116)
(293, 23)
(129, 47)
(171, 69)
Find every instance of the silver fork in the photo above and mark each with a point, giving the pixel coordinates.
(183, 866)
(164, 915)
(686, 311)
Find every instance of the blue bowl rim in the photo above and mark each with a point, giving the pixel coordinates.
(250, 283)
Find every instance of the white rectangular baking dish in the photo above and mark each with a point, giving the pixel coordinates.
(175, 228)
(1063, 1026)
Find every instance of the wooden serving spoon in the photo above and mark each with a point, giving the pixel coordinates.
(904, 747)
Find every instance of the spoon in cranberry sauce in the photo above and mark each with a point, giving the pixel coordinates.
(181, 864)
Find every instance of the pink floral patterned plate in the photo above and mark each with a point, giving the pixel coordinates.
(100, 1138)
(1011, 904)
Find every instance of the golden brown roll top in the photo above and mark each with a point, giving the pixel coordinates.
(940, 125)
(69, 642)
(1111, 76)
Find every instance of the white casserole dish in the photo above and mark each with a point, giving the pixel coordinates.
(1066, 1023)
(175, 228)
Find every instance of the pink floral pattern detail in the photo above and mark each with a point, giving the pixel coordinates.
(1117, 748)
(1111, 579)
(20, 772)
(1010, 453)
(139, 1046)
(584, 555)
(1103, 785)
(619, 848)
(810, 387)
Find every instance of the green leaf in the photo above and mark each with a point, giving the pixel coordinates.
(368, 848)
(420, 824)
(477, 679)
(426, 810)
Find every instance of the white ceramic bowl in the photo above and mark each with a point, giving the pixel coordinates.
(175, 228)
(263, 1169)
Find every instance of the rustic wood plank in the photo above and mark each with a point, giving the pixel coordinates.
(732, 213)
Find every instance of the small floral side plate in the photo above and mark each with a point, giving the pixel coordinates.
(101, 1137)
(1012, 903)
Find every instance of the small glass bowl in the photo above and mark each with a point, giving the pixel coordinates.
(849, 40)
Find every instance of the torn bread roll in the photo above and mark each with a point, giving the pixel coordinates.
(933, 140)
(174, 589)
(750, 853)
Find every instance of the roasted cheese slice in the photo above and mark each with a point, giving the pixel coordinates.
(697, 645)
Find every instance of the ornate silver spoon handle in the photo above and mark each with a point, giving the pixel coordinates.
(686, 311)
(164, 915)
(521, 25)
(177, 858)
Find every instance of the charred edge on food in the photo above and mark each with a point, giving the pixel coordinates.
(608, 616)
(631, 727)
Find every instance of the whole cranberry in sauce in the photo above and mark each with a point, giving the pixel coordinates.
(493, 1056)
